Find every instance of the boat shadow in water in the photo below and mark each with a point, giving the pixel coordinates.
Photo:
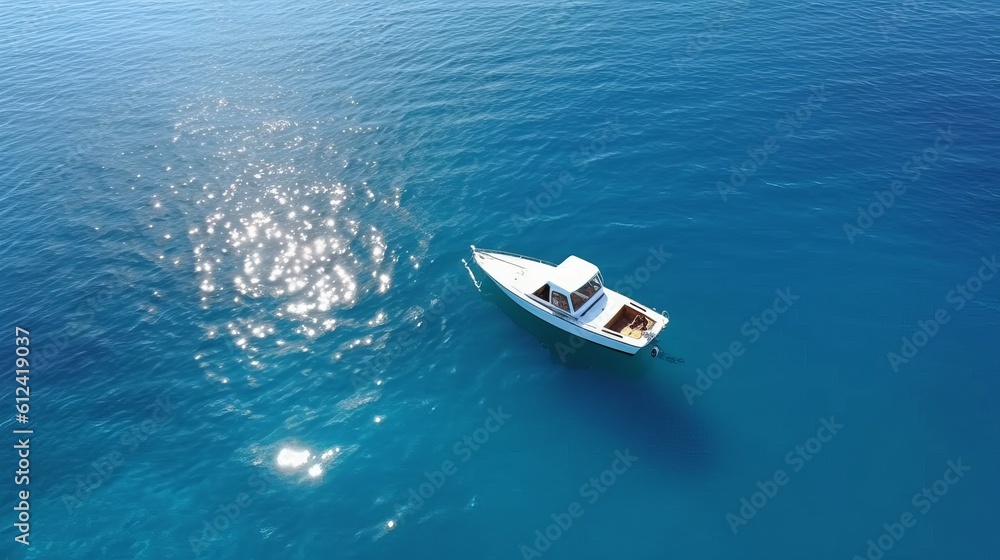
(630, 397)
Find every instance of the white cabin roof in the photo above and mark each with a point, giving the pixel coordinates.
(572, 273)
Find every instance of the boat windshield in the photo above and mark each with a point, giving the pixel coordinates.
(559, 300)
(587, 291)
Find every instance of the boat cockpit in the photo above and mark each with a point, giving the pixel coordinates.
(578, 301)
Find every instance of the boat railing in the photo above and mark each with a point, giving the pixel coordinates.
(509, 254)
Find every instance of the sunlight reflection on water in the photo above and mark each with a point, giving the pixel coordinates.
(287, 240)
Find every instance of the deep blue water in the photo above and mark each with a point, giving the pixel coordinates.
(234, 231)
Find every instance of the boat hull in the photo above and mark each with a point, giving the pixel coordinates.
(518, 277)
(570, 328)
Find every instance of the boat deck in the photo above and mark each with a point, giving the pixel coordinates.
(630, 322)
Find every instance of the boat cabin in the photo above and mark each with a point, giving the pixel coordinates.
(574, 287)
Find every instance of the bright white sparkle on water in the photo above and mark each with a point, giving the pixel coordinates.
(289, 458)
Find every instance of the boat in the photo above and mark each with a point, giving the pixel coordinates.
(572, 296)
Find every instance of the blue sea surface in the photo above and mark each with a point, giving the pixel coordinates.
(235, 233)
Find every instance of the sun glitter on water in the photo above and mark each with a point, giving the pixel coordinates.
(280, 241)
(294, 459)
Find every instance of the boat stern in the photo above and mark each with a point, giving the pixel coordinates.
(660, 323)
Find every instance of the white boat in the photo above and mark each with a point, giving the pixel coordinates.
(572, 296)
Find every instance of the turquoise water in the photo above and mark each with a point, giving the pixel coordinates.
(235, 232)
